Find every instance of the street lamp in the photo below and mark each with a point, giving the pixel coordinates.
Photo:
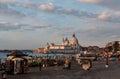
(107, 56)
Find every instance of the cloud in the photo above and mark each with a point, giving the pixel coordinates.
(112, 4)
(90, 1)
(6, 26)
(101, 32)
(39, 26)
(48, 7)
(70, 11)
(8, 9)
(5, 9)
(103, 16)
(115, 36)
(60, 10)
(66, 11)
(109, 17)
(7, 1)
(31, 5)
(113, 15)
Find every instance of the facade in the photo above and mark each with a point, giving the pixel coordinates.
(67, 46)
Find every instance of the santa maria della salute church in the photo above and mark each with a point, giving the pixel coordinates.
(71, 46)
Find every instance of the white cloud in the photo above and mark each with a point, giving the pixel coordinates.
(103, 16)
(109, 17)
(47, 7)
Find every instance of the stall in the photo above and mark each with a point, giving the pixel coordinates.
(16, 63)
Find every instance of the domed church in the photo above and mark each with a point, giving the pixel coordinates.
(71, 46)
(73, 42)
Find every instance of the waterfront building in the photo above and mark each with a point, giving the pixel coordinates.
(67, 46)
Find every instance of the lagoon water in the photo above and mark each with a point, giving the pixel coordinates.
(3, 56)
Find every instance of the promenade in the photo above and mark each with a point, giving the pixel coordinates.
(98, 71)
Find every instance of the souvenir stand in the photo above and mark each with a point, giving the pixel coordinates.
(16, 63)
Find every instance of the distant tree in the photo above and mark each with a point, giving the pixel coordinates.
(108, 49)
(115, 47)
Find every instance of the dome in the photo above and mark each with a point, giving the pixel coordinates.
(65, 41)
(74, 41)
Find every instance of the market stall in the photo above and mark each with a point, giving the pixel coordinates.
(16, 63)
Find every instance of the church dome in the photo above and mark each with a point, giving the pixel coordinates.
(74, 41)
(65, 41)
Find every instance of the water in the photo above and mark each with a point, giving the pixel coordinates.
(3, 56)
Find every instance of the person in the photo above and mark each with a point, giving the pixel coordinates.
(40, 63)
(3, 66)
(3, 74)
(106, 64)
(67, 64)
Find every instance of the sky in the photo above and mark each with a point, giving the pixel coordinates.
(30, 24)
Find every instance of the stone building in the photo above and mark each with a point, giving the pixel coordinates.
(67, 46)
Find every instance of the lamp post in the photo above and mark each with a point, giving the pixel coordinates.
(107, 65)
(107, 57)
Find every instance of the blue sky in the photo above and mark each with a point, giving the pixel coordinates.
(30, 24)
